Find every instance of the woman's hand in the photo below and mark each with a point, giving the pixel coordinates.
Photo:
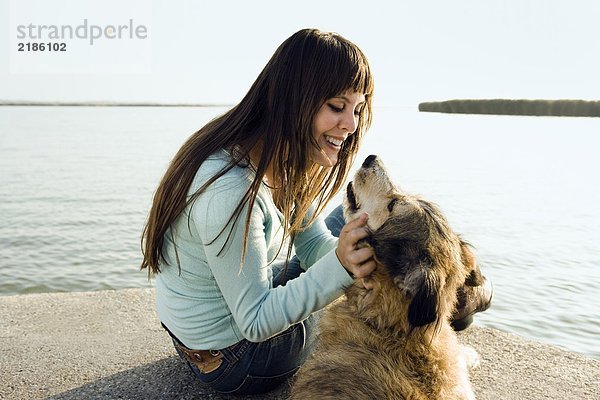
(358, 261)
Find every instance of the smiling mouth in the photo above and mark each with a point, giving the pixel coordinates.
(333, 141)
(351, 197)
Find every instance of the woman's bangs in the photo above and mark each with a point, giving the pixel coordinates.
(359, 77)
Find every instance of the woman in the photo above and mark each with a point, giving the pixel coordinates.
(248, 184)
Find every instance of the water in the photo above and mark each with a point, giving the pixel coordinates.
(76, 185)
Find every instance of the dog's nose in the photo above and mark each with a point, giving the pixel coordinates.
(369, 161)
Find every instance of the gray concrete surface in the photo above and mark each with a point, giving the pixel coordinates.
(109, 345)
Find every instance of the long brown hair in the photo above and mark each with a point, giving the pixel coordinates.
(307, 69)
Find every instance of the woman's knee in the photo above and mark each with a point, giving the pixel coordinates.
(335, 220)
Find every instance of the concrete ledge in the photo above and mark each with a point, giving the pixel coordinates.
(109, 344)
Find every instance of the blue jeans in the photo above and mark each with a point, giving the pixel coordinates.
(250, 368)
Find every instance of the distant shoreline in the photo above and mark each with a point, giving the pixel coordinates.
(551, 108)
(515, 107)
(8, 103)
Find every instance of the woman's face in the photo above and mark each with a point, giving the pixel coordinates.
(334, 122)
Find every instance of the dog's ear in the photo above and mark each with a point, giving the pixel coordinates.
(397, 245)
(423, 308)
(389, 252)
(474, 277)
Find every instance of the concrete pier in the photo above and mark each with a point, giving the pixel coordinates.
(109, 345)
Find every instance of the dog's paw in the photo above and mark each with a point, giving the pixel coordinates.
(470, 357)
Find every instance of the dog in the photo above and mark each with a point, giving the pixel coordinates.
(394, 340)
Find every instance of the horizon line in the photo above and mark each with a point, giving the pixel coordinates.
(93, 103)
(107, 104)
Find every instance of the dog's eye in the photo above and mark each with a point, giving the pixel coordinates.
(392, 204)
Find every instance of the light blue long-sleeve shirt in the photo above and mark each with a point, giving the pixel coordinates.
(210, 303)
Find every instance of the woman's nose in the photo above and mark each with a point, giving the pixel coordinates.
(349, 121)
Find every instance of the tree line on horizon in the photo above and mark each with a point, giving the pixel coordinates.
(559, 108)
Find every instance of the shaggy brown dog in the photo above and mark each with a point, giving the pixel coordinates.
(394, 341)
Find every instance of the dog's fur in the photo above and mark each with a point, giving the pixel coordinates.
(394, 341)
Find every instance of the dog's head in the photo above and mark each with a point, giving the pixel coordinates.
(421, 261)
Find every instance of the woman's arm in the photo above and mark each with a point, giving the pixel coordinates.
(314, 242)
(317, 240)
(259, 310)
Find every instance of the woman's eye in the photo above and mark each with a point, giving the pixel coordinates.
(391, 204)
(336, 109)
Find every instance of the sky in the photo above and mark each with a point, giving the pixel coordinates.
(211, 52)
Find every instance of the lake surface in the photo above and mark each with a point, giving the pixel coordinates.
(76, 184)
